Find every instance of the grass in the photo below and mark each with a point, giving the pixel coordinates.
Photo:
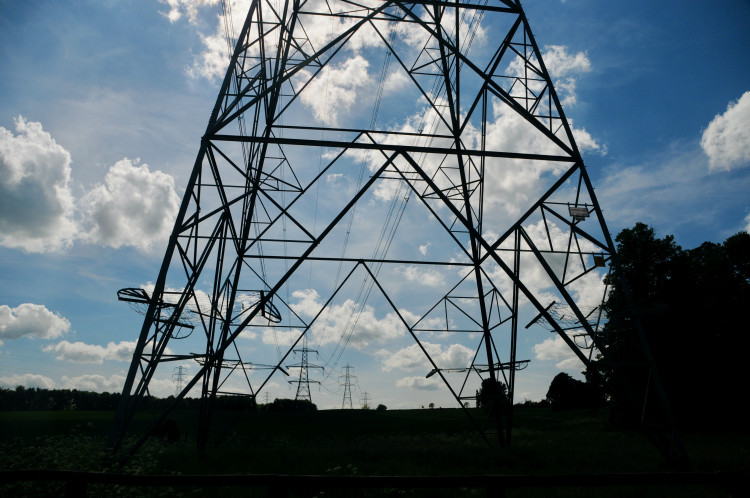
(356, 442)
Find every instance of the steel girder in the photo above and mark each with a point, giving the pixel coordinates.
(468, 119)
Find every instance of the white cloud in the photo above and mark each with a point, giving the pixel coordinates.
(31, 320)
(413, 358)
(587, 291)
(334, 89)
(213, 61)
(555, 349)
(134, 207)
(93, 382)
(395, 81)
(428, 276)
(560, 63)
(564, 67)
(79, 352)
(280, 337)
(27, 380)
(512, 184)
(347, 319)
(672, 190)
(189, 8)
(424, 248)
(419, 383)
(36, 202)
(747, 221)
(726, 140)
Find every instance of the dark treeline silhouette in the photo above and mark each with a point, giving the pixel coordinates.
(692, 305)
(33, 398)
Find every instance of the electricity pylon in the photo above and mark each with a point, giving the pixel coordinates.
(460, 151)
(348, 377)
(366, 400)
(179, 379)
(303, 382)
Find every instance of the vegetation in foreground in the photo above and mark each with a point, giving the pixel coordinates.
(360, 442)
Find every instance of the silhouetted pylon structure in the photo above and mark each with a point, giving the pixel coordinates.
(304, 366)
(348, 377)
(382, 170)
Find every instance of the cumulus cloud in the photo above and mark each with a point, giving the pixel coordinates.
(189, 8)
(587, 291)
(79, 352)
(39, 213)
(94, 383)
(424, 276)
(27, 380)
(347, 319)
(334, 90)
(280, 337)
(565, 68)
(135, 206)
(726, 140)
(419, 383)
(555, 349)
(413, 358)
(510, 184)
(31, 320)
(211, 63)
(36, 201)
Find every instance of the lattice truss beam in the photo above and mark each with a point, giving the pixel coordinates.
(345, 136)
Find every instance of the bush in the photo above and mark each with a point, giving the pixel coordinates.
(567, 393)
(291, 405)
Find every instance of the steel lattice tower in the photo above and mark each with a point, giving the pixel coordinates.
(347, 401)
(304, 366)
(462, 136)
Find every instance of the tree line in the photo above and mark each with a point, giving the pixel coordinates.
(692, 307)
(34, 398)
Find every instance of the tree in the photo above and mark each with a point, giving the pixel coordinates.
(491, 392)
(689, 303)
(567, 393)
(291, 405)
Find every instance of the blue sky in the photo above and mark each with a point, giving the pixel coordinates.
(104, 103)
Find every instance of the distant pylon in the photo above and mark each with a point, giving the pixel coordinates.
(366, 400)
(179, 379)
(348, 377)
(303, 382)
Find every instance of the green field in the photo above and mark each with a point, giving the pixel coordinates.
(360, 442)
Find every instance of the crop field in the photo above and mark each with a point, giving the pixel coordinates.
(428, 442)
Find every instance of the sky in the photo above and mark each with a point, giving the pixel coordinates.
(104, 103)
